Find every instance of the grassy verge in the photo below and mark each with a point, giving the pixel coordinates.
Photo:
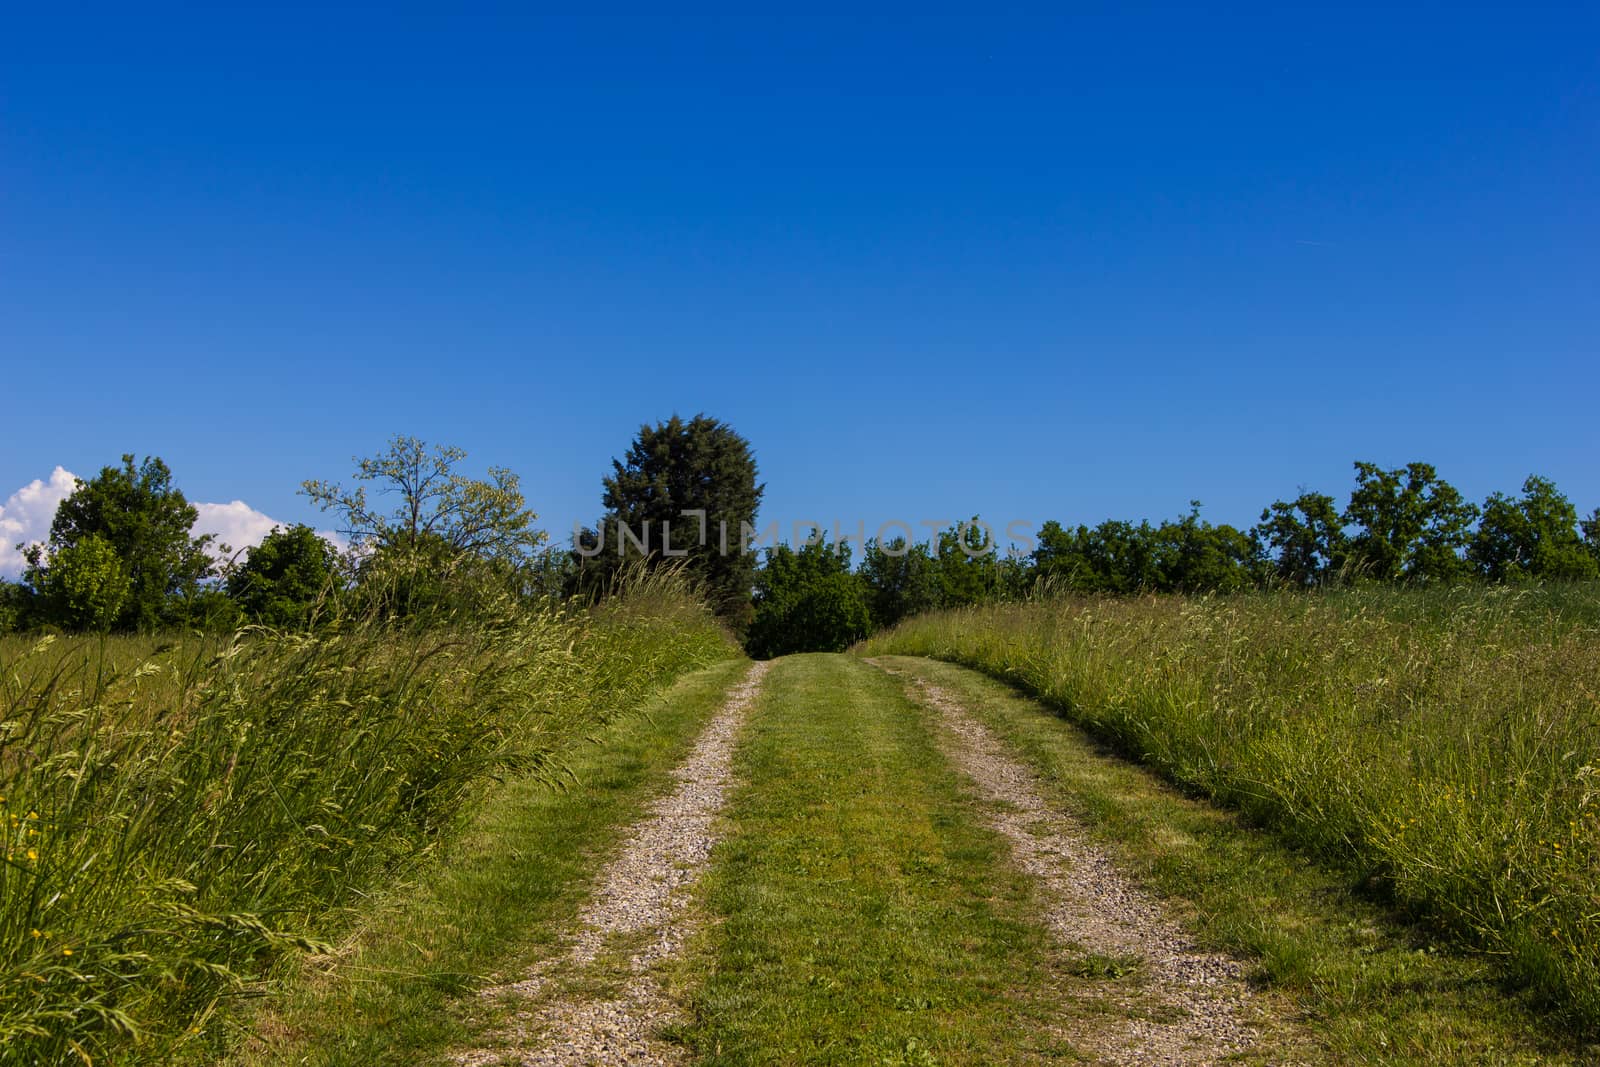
(859, 915)
(1445, 746)
(1369, 988)
(493, 900)
(176, 815)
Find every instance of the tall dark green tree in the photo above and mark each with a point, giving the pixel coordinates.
(1413, 525)
(285, 578)
(1535, 536)
(1304, 539)
(686, 491)
(124, 539)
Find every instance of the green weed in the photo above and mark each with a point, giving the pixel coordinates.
(1444, 744)
(174, 814)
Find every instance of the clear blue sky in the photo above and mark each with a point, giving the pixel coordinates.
(1073, 268)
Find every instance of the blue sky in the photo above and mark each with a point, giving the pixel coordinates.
(1061, 268)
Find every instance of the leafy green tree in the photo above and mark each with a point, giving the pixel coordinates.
(87, 585)
(425, 575)
(283, 580)
(1304, 539)
(971, 568)
(1193, 556)
(16, 606)
(1061, 557)
(685, 490)
(830, 614)
(211, 609)
(552, 575)
(432, 502)
(1413, 525)
(144, 521)
(1124, 557)
(807, 601)
(902, 580)
(786, 570)
(1535, 537)
(1591, 533)
(1113, 557)
(440, 539)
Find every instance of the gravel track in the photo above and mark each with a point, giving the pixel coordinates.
(636, 907)
(1188, 1006)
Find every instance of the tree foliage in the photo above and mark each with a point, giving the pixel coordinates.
(284, 579)
(122, 539)
(87, 586)
(1412, 525)
(427, 536)
(1113, 557)
(902, 580)
(432, 503)
(1536, 536)
(1188, 555)
(807, 601)
(972, 569)
(701, 467)
(1303, 539)
(1194, 556)
(16, 606)
(121, 553)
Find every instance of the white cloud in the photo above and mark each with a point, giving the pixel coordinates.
(237, 525)
(240, 526)
(26, 515)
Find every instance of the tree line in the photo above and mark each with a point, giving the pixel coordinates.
(122, 554)
(1402, 526)
(421, 538)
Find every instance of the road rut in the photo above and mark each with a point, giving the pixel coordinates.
(636, 908)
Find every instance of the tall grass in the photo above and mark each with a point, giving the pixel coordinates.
(1445, 744)
(177, 812)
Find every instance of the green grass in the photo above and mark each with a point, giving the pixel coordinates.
(491, 901)
(858, 914)
(179, 813)
(1442, 748)
(1365, 986)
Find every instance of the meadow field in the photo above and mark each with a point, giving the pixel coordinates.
(1443, 746)
(176, 811)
